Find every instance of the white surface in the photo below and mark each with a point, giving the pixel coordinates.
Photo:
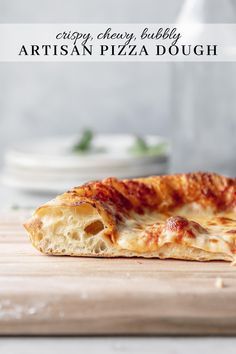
(10, 197)
(129, 345)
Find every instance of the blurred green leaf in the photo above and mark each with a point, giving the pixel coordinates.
(84, 143)
(141, 147)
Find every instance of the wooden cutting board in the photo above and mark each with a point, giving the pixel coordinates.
(62, 295)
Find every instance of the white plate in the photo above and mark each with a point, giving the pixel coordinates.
(59, 185)
(49, 165)
(56, 153)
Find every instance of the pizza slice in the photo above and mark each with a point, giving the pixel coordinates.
(186, 216)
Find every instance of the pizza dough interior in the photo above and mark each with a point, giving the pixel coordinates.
(69, 229)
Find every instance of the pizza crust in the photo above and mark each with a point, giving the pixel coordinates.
(188, 216)
(169, 251)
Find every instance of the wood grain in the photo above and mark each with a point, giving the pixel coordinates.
(63, 295)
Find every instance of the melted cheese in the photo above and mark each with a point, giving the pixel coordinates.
(194, 227)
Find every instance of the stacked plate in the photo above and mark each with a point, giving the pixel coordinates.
(54, 165)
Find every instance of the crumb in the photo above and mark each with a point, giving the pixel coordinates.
(233, 263)
(219, 284)
(32, 311)
(83, 295)
(61, 314)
